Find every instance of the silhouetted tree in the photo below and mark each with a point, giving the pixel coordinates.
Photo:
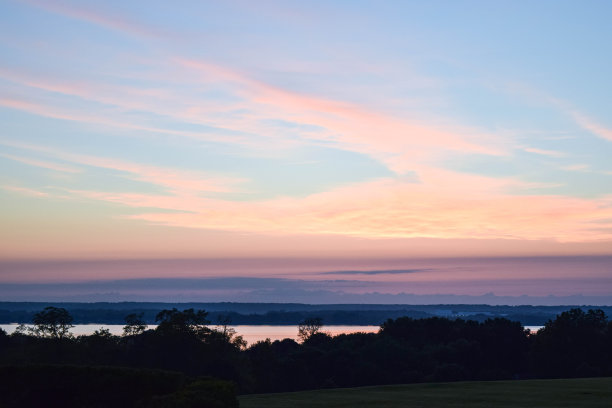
(173, 321)
(53, 322)
(227, 333)
(4, 338)
(103, 333)
(309, 327)
(575, 343)
(134, 324)
(572, 345)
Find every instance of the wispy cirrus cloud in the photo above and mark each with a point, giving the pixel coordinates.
(256, 113)
(444, 205)
(580, 118)
(162, 99)
(99, 16)
(591, 125)
(544, 152)
(375, 272)
(397, 142)
(112, 120)
(583, 120)
(42, 163)
(264, 115)
(577, 167)
(25, 191)
(171, 179)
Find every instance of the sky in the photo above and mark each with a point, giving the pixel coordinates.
(308, 141)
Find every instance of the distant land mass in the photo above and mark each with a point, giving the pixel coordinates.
(279, 290)
(289, 313)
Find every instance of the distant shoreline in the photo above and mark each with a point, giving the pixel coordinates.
(287, 314)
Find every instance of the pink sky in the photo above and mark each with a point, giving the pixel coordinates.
(291, 139)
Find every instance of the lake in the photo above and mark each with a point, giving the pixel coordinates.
(251, 334)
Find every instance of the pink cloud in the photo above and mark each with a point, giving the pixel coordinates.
(42, 110)
(580, 118)
(99, 17)
(592, 126)
(42, 163)
(172, 179)
(445, 206)
(395, 141)
(55, 112)
(25, 191)
(577, 167)
(157, 100)
(544, 152)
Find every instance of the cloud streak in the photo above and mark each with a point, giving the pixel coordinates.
(591, 125)
(25, 191)
(269, 290)
(375, 272)
(544, 152)
(337, 119)
(399, 143)
(69, 114)
(444, 205)
(42, 163)
(101, 18)
(183, 182)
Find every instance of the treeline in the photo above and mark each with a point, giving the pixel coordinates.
(285, 313)
(406, 350)
(575, 344)
(278, 318)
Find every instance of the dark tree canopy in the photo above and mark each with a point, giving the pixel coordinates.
(574, 344)
(189, 321)
(134, 324)
(405, 350)
(309, 327)
(54, 322)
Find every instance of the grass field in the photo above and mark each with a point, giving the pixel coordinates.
(580, 393)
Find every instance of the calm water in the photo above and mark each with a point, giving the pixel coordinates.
(251, 334)
(534, 329)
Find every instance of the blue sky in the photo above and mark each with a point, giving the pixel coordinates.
(291, 129)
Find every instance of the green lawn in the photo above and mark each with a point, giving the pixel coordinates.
(580, 393)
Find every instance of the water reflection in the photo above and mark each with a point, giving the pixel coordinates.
(251, 334)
